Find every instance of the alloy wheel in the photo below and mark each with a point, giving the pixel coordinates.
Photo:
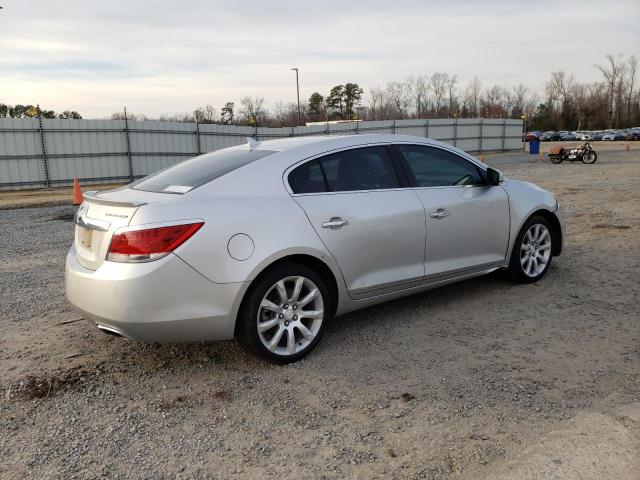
(535, 250)
(290, 315)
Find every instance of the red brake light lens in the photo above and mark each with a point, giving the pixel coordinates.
(149, 244)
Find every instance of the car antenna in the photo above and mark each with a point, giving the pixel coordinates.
(252, 143)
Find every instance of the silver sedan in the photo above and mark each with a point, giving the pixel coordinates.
(267, 242)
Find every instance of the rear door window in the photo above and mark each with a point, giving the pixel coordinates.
(368, 168)
(193, 173)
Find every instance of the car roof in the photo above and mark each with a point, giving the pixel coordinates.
(292, 150)
(331, 142)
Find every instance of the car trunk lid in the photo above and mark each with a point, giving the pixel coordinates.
(100, 215)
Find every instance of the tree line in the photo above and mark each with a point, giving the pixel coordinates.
(30, 111)
(612, 102)
(567, 103)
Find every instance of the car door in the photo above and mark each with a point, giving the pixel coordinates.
(467, 221)
(374, 228)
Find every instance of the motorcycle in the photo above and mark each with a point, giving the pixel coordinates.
(585, 154)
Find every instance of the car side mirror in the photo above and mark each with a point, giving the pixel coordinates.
(494, 177)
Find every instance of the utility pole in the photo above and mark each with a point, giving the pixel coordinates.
(298, 92)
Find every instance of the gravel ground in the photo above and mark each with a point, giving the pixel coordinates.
(483, 379)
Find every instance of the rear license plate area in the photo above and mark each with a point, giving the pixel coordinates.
(86, 237)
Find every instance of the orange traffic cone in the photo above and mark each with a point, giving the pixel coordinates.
(77, 193)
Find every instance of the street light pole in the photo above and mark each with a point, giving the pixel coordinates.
(298, 92)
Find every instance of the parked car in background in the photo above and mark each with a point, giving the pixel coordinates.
(613, 135)
(582, 135)
(596, 136)
(531, 136)
(568, 136)
(550, 136)
(632, 134)
(267, 241)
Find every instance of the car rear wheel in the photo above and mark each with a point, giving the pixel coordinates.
(531, 255)
(284, 313)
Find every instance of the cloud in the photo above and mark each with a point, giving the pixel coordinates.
(168, 56)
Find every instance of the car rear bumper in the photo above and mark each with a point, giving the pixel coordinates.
(161, 301)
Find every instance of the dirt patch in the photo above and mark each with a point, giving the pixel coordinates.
(64, 217)
(615, 227)
(41, 197)
(34, 387)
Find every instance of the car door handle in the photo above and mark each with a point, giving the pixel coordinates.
(335, 222)
(440, 213)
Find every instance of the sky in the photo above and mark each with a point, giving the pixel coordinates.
(170, 57)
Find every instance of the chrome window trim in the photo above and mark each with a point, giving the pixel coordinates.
(467, 157)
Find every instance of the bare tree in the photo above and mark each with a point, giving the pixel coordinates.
(519, 99)
(633, 67)
(418, 89)
(472, 96)
(493, 103)
(451, 88)
(611, 74)
(561, 84)
(399, 97)
(252, 109)
(205, 114)
(438, 85)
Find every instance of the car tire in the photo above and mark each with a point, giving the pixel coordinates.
(269, 323)
(530, 264)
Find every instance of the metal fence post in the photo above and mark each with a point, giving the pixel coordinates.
(357, 128)
(199, 150)
(455, 133)
(393, 128)
(255, 132)
(126, 134)
(293, 132)
(43, 144)
(481, 131)
(504, 133)
(426, 129)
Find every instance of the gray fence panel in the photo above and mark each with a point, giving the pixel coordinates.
(20, 151)
(215, 137)
(156, 145)
(513, 135)
(85, 149)
(110, 150)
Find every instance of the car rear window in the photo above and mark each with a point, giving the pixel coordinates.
(197, 171)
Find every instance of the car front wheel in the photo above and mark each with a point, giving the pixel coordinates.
(531, 255)
(284, 313)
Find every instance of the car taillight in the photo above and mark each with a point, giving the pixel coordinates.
(149, 244)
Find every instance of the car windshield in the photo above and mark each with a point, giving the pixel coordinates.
(197, 171)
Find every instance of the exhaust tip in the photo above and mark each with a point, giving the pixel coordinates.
(111, 331)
